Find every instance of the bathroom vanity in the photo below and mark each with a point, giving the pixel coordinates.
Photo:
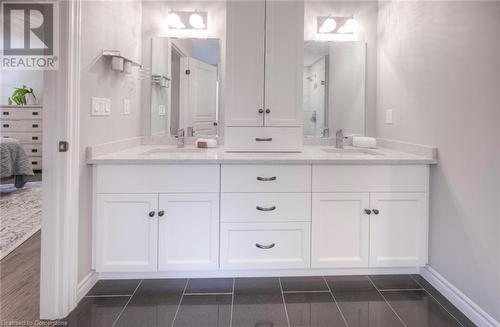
(158, 210)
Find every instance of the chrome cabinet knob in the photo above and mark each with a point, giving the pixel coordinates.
(265, 247)
(161, 213)
(151, 214)
(266, 179)
(375, 211)
(261, 111)
(265, 209)
(268, 111)
(368, 211)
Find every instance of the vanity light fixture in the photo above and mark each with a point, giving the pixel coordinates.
(336, 25)
(327, 25)
(349, 27)
(187, 20)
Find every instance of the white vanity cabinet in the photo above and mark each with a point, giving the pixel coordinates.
(385, 227)
(264, 54)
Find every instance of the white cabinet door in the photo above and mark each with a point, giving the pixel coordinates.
(284, 62)
(244, 85)
(398, 229)
(340, 230)
(126, 232)
(188, 231)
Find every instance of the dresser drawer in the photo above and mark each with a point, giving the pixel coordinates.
(36, 163)
(265, 207)
(21, 125)
(366, 178)
(157, 178)
(33, 150)
(263, 139)
(20, 113)
(265, 178)
(265, 245)
(24, 137)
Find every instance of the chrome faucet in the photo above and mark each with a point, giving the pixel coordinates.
(180, 138)
(339, 139)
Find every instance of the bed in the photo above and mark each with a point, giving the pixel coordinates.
(14, 162)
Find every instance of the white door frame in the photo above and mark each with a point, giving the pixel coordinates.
(59, 253)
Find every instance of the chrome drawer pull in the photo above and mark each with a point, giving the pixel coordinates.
(259, 139)
(266, 179)
(266, 209)
(265, 247)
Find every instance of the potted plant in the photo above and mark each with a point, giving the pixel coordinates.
(22, 96)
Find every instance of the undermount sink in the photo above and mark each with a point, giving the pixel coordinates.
(172, 150)
(354, 151)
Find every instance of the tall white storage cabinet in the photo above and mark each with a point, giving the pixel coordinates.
(264, 75)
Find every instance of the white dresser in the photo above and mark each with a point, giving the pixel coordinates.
(24, 123)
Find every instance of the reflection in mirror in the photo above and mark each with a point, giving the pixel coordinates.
(184, 95)
(334, 88)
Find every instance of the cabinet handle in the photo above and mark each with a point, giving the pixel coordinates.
(34, 138)
(161, 213)
(261, 111)
(265, 247)
(5, 113)
(265, 209)
(266, 179)
(368, 211)
(268, 111)
(375, 211)
(34, 125)
(151, 214)
(266, 139)
(34, 113)
(6, 125)
(34, 150)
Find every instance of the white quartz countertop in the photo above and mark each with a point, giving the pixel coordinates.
(164, 154)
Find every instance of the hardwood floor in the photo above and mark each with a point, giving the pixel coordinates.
(20, 282)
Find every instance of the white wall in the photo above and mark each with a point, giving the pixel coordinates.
(365, 13)
(112, 25)
(439, 70)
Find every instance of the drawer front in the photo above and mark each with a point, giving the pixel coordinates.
(265, 245)
(263, 139)
(366, 178)
(33, 150)
(265, 178)
(21, 125)
(20, 113)
(23, 137)
(157, 178)
(36, 163)
(265, 207)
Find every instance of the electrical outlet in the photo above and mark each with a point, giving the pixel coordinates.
(126, 107)
(101, 107)
(388, 116)
(162, 111)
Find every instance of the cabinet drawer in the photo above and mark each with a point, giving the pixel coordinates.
(265, 207)
(23, 137)
(21, 125)
(263, 139)
(266, 178)
(366, 178)
(33, 150)
(157, 178)
(265, 245)
(20, 113)
(36, 163)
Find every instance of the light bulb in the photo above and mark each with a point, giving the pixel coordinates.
(174, 21)
(196, 21)
(328, 25)
(349, 27)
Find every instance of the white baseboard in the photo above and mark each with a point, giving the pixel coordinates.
(458, 299)
(86, 284)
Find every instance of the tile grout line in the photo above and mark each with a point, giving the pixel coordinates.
(335, 300)
(180, 302)
(426, 291)
(387, 302)
(295, 292)
(198, 294)
(112, 295)
(400, 289)
(232, 305)
(125, 306)
(284, 303)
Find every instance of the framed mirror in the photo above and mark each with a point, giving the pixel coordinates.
(185, 86)
(334, 88)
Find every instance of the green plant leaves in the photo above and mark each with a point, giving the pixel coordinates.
(19, 95)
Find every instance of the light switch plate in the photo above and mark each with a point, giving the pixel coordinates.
(101, 107)
(126, 107)
(388, 116)
(162, 111)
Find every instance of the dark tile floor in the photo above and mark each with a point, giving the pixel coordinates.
(370, 301)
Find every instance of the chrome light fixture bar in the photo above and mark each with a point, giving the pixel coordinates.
(187, 20)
